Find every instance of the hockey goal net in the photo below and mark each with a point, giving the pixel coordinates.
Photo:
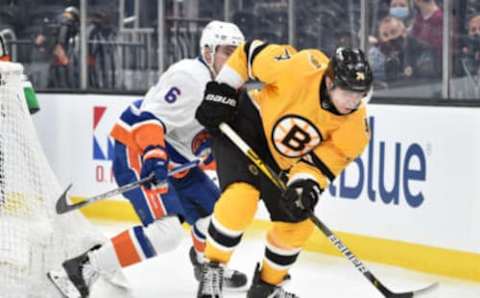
(33, 238)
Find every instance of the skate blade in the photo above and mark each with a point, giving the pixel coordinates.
(63, 284)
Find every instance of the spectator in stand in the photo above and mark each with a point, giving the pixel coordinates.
(471, 49)
(401, 10)
(399, 56)
(101, 51)
(387, 55)
(38, 70)
(427, 27)
(64, 70)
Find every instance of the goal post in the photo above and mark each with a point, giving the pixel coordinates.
(33, 238)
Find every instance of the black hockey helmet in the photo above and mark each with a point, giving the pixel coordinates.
(349, 69)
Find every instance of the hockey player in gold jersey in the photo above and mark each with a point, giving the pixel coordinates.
(308, 122)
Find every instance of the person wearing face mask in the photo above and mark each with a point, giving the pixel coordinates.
(400, 9)
(398, 56)
(387, 55)
(471, 49)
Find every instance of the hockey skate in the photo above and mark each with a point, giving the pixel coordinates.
(233, 280)
(76, 278)
(211, 282)
(260, 289)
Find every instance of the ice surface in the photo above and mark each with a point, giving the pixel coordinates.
(314, 275)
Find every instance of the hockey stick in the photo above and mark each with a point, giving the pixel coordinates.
(245, 148)
(63, 206)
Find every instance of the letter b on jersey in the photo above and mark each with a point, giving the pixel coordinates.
(296, 139)
(294, 136)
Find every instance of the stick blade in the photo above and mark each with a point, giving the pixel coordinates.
(418, 293)
(425, 291)
(62, 202)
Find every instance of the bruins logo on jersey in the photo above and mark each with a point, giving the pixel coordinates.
(294, 136)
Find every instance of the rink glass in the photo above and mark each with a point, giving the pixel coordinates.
(123, 46)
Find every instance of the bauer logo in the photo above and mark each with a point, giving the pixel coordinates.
(102, 124)
(391, 174)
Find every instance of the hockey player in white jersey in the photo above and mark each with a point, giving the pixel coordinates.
(152, 136)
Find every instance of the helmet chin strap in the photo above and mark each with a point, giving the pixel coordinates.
(213, 72)
(211, 63)
(325, 99)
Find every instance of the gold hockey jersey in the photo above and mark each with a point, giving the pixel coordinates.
(302, 136)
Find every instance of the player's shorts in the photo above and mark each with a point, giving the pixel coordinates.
(233, 166)
(191, 197)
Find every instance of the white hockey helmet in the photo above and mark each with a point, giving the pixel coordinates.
(218, 33)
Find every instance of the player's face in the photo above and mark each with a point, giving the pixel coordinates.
(345, 100)
(221, 56)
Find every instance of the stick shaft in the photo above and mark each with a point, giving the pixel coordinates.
(248, 151)
(136, 184)
(63, 206)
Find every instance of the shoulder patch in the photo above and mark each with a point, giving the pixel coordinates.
(284, 56)
(314, 61)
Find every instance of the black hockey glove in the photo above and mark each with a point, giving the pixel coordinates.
(219, 105)
(300, 198)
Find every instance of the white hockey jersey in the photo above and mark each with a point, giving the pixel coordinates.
(173, 101)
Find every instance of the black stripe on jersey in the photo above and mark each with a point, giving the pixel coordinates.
(317, 162)
(281, 260)
(223, 239)
(255, 52)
